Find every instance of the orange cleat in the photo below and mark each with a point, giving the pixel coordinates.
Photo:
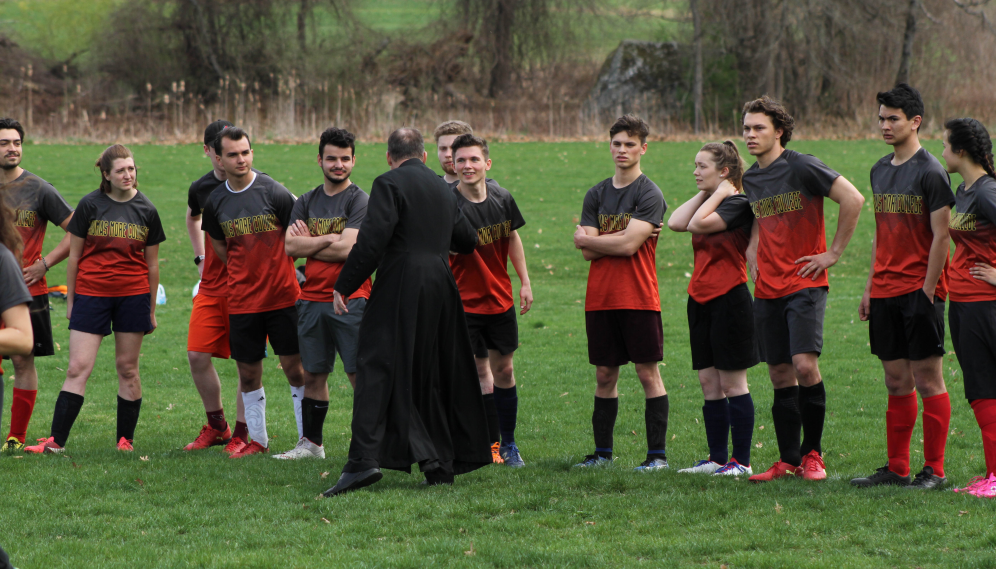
(210, 437)
(495, 455)
(251, 448)
(235, 445)
(812, 467)
(125, 445)
(47, 445)
(778, 470)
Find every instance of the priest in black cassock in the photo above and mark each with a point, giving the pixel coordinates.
(417, 398)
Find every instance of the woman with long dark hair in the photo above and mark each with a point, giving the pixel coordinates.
(112, 277)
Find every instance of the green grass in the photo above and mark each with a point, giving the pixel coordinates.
(161, 507)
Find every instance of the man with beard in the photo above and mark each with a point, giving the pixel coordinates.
(417, 397)
(35, 203)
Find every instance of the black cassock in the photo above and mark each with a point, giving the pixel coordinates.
(417, 397)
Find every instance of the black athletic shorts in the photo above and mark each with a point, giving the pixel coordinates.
(248, 333)
(973, 333)
(790, 325)
(617, 337)
(101, 314)
(722, 331)
(493, 332)
(907, 327)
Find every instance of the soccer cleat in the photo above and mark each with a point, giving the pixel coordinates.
(927, 480)
(733, 468)
(304, 449)
(812, 467)
(973, 483)
(778, 470)
(496, 454)
(510, 453)
(702, 467)
(980, 487)
(593, 460)
(210, 437)
(250, 449)
(12, 445)
(47, 445)
(882, 476)
(125, 445)
(235, 445)
(652, 464)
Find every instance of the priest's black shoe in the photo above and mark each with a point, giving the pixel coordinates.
(354, 480)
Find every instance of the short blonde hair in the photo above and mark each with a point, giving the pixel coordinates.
(452, 127)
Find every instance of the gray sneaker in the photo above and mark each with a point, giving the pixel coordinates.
(304, 449)
(652, 464)
(510, 453)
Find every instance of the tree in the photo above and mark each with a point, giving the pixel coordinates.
(693, 6)
(903, 76)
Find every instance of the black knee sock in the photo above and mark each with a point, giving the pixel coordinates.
(655, 415)
(603, 422)
(716, 415)
(128, 417)
(313, 414)
(67, 408)
(507, 404)
(813, 408)
(788, 423)
(742, 427)
(491, 412)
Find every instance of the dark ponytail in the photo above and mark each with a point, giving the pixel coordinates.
(969, 135)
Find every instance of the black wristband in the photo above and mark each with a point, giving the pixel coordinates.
(198, 259)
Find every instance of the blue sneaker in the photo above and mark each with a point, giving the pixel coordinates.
(734, 468)
(510, 453)
(652, 464)
(593, 460)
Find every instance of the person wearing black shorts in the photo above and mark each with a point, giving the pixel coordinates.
(904, 297)
(35, 203)
(972, 281)
(617, 234)
(720, 307)
(788, 261)
(486, 289)
(112, 277)
(246, 219)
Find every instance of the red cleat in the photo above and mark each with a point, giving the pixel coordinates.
(495, 455)
(47, 445)
(812, 467)
(210, 437)
(125, 445)
(778, 470)
(235, 445)
(251, 448)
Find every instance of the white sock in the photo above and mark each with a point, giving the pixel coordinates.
(255, 402)
(297, 394)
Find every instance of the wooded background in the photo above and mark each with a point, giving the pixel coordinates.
(160, 69)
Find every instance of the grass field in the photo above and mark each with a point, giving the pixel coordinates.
(162, 507)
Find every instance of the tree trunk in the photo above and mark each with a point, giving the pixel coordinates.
(693, 5)
(903, 76)
(302, 19)
(502, 25)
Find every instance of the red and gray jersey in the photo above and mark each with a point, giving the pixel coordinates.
(721, 257)
(904, 196)
(973, 229)
(252, 223)
(35, 203)
(787, 200)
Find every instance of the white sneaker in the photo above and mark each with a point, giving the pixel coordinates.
(702, 467)
(304, 449)
(734, 468)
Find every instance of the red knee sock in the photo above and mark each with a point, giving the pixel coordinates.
(900, 418)
(985, 414)
(936, 420)
(21, 409)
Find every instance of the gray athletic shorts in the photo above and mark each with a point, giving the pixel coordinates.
(321, 333)
(790, 325)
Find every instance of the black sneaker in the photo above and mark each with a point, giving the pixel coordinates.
(882, 476)
(927, 480)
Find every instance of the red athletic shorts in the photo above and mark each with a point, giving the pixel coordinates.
(208, 331)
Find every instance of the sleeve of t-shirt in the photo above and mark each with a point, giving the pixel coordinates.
(936, 187)
(816, 176)
(210, 223)
(13, 291)
(357, 211)
(300, 210)
(80, 223)
(589, 211)
(156, 234)
(735, 211)
(513, 214)
(283, 204)
(53, 205)
(192, 203)
(650, 207)
(985, 200)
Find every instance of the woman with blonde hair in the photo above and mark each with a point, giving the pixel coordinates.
(112, 277)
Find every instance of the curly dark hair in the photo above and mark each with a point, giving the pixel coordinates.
(969, 135)
(776, 112)
(338, 137)
(9, 123)
(633, 125)
(467, 140)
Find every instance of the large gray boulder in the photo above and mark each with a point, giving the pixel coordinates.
(639, 77)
